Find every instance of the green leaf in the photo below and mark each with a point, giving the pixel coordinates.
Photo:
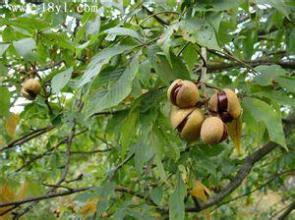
(176, 200)
(190, 56)
(159, 151)
(265, 113)
(268, 74)
(3, 48)
(121, 31)
(93, 26)
(116, 93)
(4, 101)
(290, 41)
(60, 80)
(99, 60)
(215, 19)
(199, 31)
(163, 69)
(280, 5)
(220, 5)
(287, 82)
(128, 131)
(179, 68)
(279, 97)
(143, 153)
(156, 194)
(25, 47)
(3, 69)
(165, 38)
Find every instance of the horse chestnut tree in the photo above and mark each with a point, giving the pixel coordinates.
(147, 110)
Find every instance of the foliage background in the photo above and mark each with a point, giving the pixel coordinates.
(98, 137)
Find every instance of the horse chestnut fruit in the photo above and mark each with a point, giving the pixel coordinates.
(31, 88)
(226, 104)
(183, 93)
(188, 122)
(213, 130)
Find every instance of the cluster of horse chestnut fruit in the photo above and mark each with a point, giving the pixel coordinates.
(30, 88)
(190, 120)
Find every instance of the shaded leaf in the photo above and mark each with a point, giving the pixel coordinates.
(220, 5)
(128, 131)
(287, 82)
(268, 74)
(280, 5)
(265, 113)
(60, 80)
(179, 68)
(279, 97)
(93, 26)
(164, 69)
(116, 93)
(99, 60)
(156, 195)
(199, 31)
(176, 200)
(3, 69)
(3, 48)
(4, 101)
(165, 38)
(25, 46)
(11, 124)
(121, 31)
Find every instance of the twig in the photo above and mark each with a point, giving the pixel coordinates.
(182, 49)
(118, 167)
(39, 156)
(154, 15)
(67, 155)
(27, 137)
(215, 67)
(8, 210)
(51, 66)
(109, 112)
(92, 152)
(57, 186)
(44, 197)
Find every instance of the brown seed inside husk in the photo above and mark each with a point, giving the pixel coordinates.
(222, 102)
(174, 92)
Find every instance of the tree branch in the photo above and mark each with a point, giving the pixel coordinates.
(216, 67)
(27, 137)
(243, 172)
(285, 214)
(44, 197)
(272, 178)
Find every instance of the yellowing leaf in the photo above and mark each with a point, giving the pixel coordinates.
(11, 194)
(11, 124)
(200, 191)
(7, 194)
(1, 141)
(234, 130)
(89, 208)
(23, 190)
